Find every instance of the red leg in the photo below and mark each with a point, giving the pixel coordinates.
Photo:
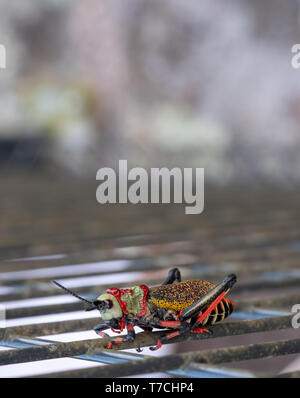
(179, 326)
(218, 291)
(118, 340)
(165, 338)
(102, 334)
(170, 324)
(201, 330)
(207, 312)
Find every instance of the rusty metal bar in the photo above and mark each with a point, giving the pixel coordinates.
(39, 329)
(289, 375)
(43, 310)
(59, 350)
(193, 270)
(177, 361)
(266, 285)
(86, 324)
(274, 302)
(242, 287)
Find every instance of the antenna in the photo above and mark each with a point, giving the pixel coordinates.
(72, 293)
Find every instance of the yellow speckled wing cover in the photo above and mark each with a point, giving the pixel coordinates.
(180, 295)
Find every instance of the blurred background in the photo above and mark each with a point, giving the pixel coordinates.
(159, 83)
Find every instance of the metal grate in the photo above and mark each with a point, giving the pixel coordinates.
(256, 239)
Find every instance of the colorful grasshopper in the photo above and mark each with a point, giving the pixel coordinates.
(183, 306)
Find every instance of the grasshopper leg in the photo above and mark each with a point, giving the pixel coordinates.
(180, 327)
(210, 300)
(119, 340)
(173, 275)
(99, 329)
(184, 327)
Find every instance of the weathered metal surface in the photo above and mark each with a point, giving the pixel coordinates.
(169, 362)
(256, 237)
(59, 350)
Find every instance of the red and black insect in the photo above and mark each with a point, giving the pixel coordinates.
(185, 307)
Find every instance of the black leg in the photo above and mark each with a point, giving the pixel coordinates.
(128, 338)
(146, 329)
(168, 336)
(173, 275)
(99, 329)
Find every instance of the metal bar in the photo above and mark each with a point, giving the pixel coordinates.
(194, 369)
(58, 350)
(279, 302)
(47, 328)
(86, 324)
(266, 285)
(43, 310)
(290, 375)
(44, 289)
(177, 361)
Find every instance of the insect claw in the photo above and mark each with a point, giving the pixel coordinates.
(202, 331)
(158, 345)
(109, 345)
(101, 334)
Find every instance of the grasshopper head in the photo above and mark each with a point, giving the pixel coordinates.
(108, 306)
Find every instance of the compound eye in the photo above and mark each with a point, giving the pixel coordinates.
(109, 304)
(103, 305)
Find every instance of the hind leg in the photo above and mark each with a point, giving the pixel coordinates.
(119, 340)
(173, 275)
(99, 329)
(207, 312)
(180, 328)
(209, 301)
